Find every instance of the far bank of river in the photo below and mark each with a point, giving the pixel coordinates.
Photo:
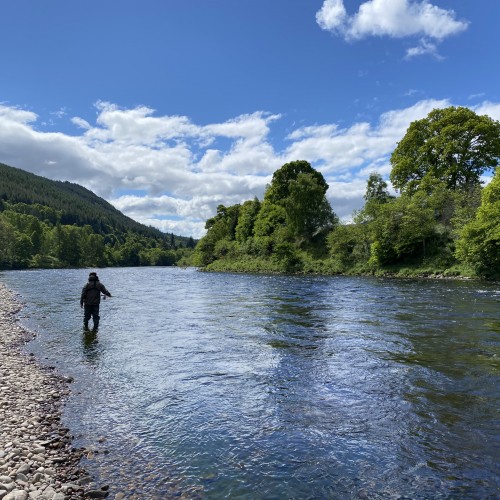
(324, 268)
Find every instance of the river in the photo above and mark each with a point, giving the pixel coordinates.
(216, 386)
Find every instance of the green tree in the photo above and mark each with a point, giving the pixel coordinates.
(279, 189)
(92, 249)
(223, 225)
(454, 145)
(7, 243)
(349, 245)
(300, 190)
(376, 195)
(69, 251)
(479, 240)
(204, 252)
(402, 230)
(246, 220)
(220, 227)
(376, 189)
(308, 211)
(36, 235)
(270, 228)
(157, 257)
(464, 207)
(23, 249)
(129, 252)
(270, 218)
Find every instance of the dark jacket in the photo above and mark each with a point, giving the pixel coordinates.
(91, 292)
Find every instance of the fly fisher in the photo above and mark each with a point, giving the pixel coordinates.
(90, 300)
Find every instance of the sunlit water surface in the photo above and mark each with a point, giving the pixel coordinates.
(273, 387)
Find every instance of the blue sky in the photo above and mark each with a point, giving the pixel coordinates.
(168, 108)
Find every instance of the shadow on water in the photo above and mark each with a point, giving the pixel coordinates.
(91, 349)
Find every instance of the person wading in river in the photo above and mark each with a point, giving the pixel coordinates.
(91, 298)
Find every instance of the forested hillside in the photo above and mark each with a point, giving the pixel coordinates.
(45, 223)
(443, 220)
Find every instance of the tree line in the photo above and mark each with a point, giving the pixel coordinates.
(42, 241)
(53, 224)
(442, 221)
(73, 203)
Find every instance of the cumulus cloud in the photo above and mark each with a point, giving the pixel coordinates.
(392, 18)
(491, 109)
(339, 150)
(168, 172)
(16, 115)
(332, 16)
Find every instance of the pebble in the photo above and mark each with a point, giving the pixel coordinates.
(37, 461)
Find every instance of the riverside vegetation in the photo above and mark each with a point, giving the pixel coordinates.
(444, 222)
(53, 224)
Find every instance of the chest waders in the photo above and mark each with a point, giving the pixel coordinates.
(91, 311)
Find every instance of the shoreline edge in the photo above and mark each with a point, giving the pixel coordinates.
(37, 459)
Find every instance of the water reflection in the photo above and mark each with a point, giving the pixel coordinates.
(91, 348)
(234, 386)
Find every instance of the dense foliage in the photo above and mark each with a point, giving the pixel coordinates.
(443, 221)
(454, 145)
(46, 223)
(294, 217)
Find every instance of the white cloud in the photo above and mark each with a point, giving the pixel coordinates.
(16, 115)
(251, 127)
(339, 150)
(424, 47)
(138, 126)
(332, 16)
(491, 109)
(392, 18)
(180, 174)
(80, 122)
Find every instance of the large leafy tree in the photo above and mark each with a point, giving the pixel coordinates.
(309, 212)
(453, 145)
(283, 178)
(300, 190)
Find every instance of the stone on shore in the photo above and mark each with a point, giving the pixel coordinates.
(37, 460)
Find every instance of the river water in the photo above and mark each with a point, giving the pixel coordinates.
(272, 387)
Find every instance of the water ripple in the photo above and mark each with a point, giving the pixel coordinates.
(236, 386)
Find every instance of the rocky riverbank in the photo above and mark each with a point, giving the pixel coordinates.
(37, 459)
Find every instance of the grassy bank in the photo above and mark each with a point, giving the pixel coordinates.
(306, 266)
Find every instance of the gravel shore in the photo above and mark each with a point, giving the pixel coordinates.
(37, 459)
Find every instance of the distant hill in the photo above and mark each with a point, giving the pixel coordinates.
(75, 204)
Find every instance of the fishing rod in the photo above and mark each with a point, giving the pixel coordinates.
(104, 297)
(71, 299)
